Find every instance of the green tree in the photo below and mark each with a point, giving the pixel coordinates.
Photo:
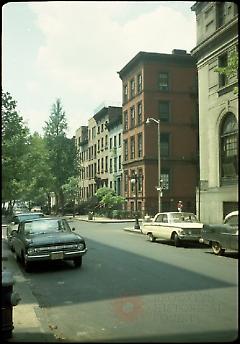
(71, 190)
(231, 70)
(15, 141)
(62, 151)
(39, 180)
(108, 200)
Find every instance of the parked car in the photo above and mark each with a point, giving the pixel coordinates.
(222, 237)
(47, 239)
(175, 226)
(18, 218)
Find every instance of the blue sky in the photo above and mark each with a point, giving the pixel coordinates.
(73, 51)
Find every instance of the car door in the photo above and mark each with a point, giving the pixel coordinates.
(18, 240)
(158, 229)
(233, 236)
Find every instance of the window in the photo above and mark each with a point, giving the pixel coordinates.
(106, 141)
(132, 147)
(119, 139)
(119, 162)
(132, 117)
(139, 113)
(222, 62)
(125, 146)
(106, 164)
(125, 120)
(163, 82)
(98, 166)
(164, 111)
(102, 143)
(140, 180)
(110, 166)
(132, 88)
(115, 141)
(125, 181)
(115, 164)
(139, 83)
(110, 143)
(102, 165)
(125, 93)
(93, 132)
(220, 14)
(229, 148)
(102, 128)
(139, 145)
(164, 144)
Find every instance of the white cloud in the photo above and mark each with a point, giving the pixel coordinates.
(85, 45)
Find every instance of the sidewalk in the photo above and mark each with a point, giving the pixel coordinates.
(98, 219)
(27, 327)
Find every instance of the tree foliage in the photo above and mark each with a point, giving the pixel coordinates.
(39, 179)
(62, 151)
(231, 70)
(108, 198)
(15, 142)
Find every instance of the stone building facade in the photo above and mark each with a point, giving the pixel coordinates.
(217, 38)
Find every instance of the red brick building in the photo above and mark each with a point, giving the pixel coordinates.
(164, 87)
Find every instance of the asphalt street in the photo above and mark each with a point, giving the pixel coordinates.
(131, 290)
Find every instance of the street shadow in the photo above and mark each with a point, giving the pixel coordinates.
(184, 244)
(28, 336)
(233, 255)
(102, 263)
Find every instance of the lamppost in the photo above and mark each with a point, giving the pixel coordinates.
(159, 187)
(134, 179)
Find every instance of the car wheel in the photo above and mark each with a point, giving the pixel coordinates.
(26, 264)
(151, 237)
(176, 240)
(77, 262)
(217, 248)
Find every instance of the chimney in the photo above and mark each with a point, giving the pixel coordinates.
(179, 52)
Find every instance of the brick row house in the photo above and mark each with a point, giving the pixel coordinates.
(99, 148)
(164, 87)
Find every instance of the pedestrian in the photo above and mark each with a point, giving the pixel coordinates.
(179, 206)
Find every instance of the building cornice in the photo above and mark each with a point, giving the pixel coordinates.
(216, 38)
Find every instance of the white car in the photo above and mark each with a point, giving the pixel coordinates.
(175, 226)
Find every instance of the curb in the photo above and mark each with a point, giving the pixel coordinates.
(27, 326)
(132, 230)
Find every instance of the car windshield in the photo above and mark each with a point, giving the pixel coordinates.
(42, 227)
(24, 217)
(183, 217)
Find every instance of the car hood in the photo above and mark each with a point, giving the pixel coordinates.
(54, 238)
(188, 225)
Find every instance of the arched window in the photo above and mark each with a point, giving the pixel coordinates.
(229, 149)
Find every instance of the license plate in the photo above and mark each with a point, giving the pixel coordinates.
(56, 255)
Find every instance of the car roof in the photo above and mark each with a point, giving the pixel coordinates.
(29, 213)
(44, 219)
(231, 214)
(176, 212)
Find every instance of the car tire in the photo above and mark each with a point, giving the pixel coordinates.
(151, 237)
(27, 265)
(176, 240)
(217, 248)
(77, 262)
